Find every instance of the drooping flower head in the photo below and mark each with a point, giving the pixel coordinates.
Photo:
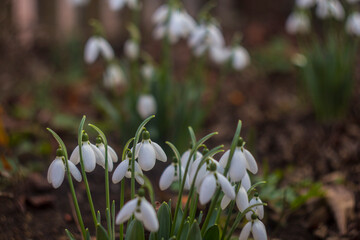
(256, 227)
(259, 210)
(172, 174)
(298, 23)
(57, 168)
(113, 76)
(112, 156)
(330, 9)
(242, 200)
(146, 105)
(143, 211)
(124, 170)
(95, 46)
(353, 24)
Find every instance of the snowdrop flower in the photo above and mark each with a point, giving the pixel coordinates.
(116, 5)
(219, 54)
(90, 154)
(209, 184)
(147, 71)
(259, 210)
(56, 171)
(131, 49)
(241, 160)
(146, 105)
(304, 4)
(353, 24)
(143, 211)
(148, 151)
(185, 157)
(240, 58)
(297, 22)
(124, 170)
(245, 182)
(113, 76)
(112, 156)
(96, 46)
(242, 200)
(256, 227)
(330, 8)
(171, 174)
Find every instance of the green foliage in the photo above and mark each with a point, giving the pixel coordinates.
(194, 232)
(164, 217)
(101, 233)
(212, 233)
(135, 231)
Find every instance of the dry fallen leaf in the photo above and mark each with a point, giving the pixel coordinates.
(342, 203)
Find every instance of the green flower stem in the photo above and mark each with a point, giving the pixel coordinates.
(122, 192)
(230, 211)
(240, 217)
(88, 193)
(193, 207)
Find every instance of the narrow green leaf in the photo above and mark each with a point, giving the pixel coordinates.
(98, 216)
(88, 237)
(254, 186)
(135, 231)
(101, 233)
(194, 232)
(176, 152)
(69, 234)
(163, 215)
(81, 127)
(212, 233)
(192, 136)
(178, 220)
(185, 231)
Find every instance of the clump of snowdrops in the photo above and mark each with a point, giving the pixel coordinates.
(328, 41)
(142, 85)
(224, 183)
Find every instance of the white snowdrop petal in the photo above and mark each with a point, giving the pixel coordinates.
(197, 36)
(207, 189)
(116, 4)
(146, 105)
(49, 170)
(238, 166)
(120, 171)
(245, 181)
(219, 54)
(242, 200)
(113, 154)
(99, 157)
(160, 154)
(88, 157)
(226, 186)
(74, 171)
(101, 147)
(224, 159)
(245, 232)
(260, 209)
(75, 157)
(225, 202)
(241, 58)
(147, 156)
(91, 51)
(159, 32)
(258, 230)
(166, 178)
(106, 49)
(187, 181)
(149, 217)
(184, 158)
(138, 174)
(251, 163)
(160, 14)
(57, 173)
(126, 211)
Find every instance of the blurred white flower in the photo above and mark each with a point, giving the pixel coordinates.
(219, 55)
(297, 22)
(79, 3)
(299, 60)
(96, 46)
(148, 151)
(256, 227)
(305, 3)
(56, 171)
(113, 76)
(240, 58)
(353, 24)
(209, 184)
(171, 174)
(116, 5)
(238, 164)
(112, 156)
(259, 210)
(330, 8)
(131, 49)
(147, 71)
(89, 154)
(242, 200)
(185, 158)
(124, 170)
(142, 210)
(146, 105)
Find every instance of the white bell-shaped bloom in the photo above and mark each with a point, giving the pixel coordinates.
(240, 58)
(185, 158)
(79, 3)
(146, 105)
(112, 156)
(209, 184)
(242, 200)
(297, 23)
(330, 8)
(147, 71)
(204, 37)
(143, 211)
(96, 46)
(353, 24)
(256, 227)
(238, 164)
(148, 151)
(88, 154)
(116, 5)
(245, 182)
(171, 174)
(304, 4)
(113, 76)
(219, 54)
(124, 170)
(56, 171)
(160, 15)
(131, 49)
(259, 210)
